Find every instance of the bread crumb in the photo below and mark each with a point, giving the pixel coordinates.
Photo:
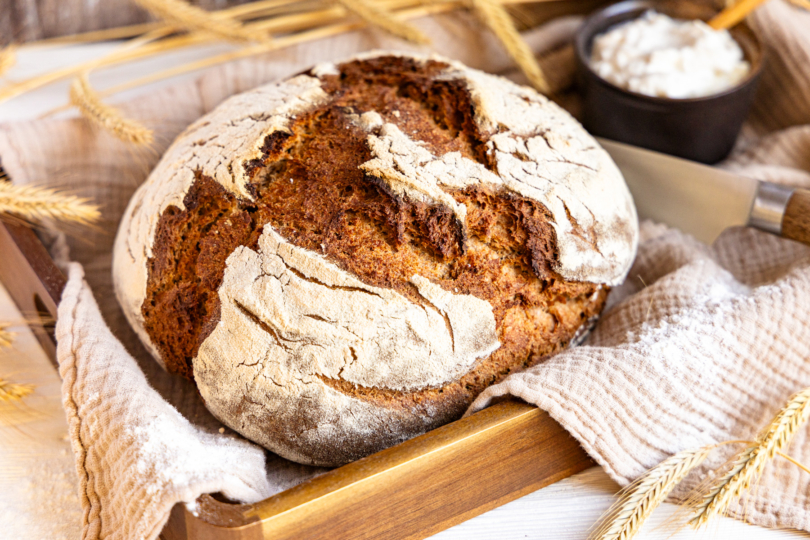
(222, 430)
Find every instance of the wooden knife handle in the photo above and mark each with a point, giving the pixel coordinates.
(796, 222)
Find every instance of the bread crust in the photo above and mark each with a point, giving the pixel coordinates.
(343, 260)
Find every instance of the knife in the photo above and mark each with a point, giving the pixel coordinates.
(704, 201)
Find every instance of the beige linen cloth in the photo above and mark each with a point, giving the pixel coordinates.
(701, 344)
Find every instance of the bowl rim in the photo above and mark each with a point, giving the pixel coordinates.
(581, 39)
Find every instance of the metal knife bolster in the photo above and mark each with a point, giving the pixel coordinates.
(769, 207)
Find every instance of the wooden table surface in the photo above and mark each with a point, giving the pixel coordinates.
(38, 497)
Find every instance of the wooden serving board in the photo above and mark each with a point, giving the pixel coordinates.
(409, 491)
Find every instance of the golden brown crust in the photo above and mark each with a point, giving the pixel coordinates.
(310, 189)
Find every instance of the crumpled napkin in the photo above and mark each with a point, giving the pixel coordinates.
(700, 344)
(134, 448)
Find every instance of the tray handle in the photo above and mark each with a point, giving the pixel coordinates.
(408, 491)
(32, 280)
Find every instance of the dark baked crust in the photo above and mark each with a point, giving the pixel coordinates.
(310, 189)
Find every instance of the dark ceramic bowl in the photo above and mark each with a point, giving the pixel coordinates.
(701, 129)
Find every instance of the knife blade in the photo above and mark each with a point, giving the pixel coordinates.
(704, 201)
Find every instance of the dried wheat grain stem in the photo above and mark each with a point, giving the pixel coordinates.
(6, 336)
(314, 24)
(8, 57)
(799, 464)
(494, 15)
(284, 41)
(750, 463)
(10, 391)
(184, 15)
(643, 496)
(379, 16)
(36, 203)
(83, 96)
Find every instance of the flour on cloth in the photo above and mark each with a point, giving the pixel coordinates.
(700, 344)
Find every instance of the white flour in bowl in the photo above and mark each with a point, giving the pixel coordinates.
(659, 56)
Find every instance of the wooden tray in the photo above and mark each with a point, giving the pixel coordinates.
(412, 490)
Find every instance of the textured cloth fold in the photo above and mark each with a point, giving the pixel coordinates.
(124, 435)
(701, 344)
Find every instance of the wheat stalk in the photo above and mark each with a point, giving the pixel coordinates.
(305, 21)
(643, 496)
(6, 335)
(801, 3)
(192, 18)
(37, 203)
(752, 460)
(250, 10)
(284, 41)
(381, 17)
(8, 57)
(494, 15)
(10, 391)
(312, 21)
(83, 96)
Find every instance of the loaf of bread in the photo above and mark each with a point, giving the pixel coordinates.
(345, 259)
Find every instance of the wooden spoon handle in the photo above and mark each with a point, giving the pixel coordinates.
(734, 14)
(796, 222)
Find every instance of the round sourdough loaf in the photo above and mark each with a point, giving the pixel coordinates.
(345, 259)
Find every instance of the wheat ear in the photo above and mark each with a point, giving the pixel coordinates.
(495, 16)
(8, 57)
(36, 203)
(10, 391)
(381, 17)
(192, 18)
(6, 336)
(83, 96)
(639, 499)
(750, 463)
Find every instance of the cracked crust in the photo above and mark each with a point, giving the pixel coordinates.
(346, 259)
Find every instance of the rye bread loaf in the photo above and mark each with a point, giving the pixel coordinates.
(345, 259)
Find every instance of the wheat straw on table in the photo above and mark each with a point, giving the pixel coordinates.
(377, 16)
(6, 336)
(494, 15)
(193, 18)
(37, 203)
(8, 57)
(638, 500)
(752, 460)
(305, 20)
(84, 97)
(286, 41)
(10, 391)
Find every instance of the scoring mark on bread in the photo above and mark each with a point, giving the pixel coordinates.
(330, 286)
(264, 326)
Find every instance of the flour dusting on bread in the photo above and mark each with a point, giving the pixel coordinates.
(345, 259)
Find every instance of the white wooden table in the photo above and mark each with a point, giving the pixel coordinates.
(38, 485)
